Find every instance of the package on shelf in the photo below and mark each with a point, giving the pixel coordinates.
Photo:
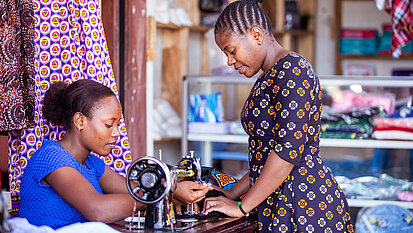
(206, 108)
(358, 41)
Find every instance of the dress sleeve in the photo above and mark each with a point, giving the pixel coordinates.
(98, 165)
(50, 159)
(291, 95)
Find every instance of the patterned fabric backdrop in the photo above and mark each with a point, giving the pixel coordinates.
(70, 45)
(16, 65)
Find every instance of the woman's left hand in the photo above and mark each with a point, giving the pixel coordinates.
(223, 205)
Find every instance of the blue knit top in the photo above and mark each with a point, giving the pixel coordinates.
(40, 204)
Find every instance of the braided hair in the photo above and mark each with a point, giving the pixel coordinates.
(242, 15)
(62, 101)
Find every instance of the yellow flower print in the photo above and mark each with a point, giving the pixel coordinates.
(310, 179)
(287, 65)
(285, 92)
(301, 148)
(303, 187)
(321, 222)
(265, 124)
(293, 105)
(273, 72)
(251, 104)
(264, 103)
(258, 156)
(285, 113)
(288, 145)
(301, 63)
(264, 85)
(282, 212)
(291, 84)
(281, 74)
(291, 125)
(316, 116)
(302, 203)
(293, 154)
(300, 113)
(282, 133)
(302, 220)
(322, 205)
(271, 110)
(260, 132)
(278, 148)
(329, 215)
(306, 84)
(266, 212)
(307, 106)
(339, 210)
(310, 212)
(256, 112)
(259, 226)
(300, 91)
(328, 182)
(278, 106)
(298, 134)
(275, 89)
(320, 95)
(305, 127)
(296, 71)
(250, 125)
(339, 226)
(321, 174)
(302, 171)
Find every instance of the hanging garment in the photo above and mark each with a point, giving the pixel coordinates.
(16, 65)
(70, 45)
(402, 24)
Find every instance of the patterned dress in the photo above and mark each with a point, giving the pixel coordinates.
(69, 44)
(282, 113)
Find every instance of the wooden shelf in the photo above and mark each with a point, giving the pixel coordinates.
(295, 32)
(177, 27)
(376, 57)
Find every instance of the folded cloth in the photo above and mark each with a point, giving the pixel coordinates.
(401, 123)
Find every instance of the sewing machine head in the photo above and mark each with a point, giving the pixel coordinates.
(151, 181)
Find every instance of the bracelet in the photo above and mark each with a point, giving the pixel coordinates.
(240, 208)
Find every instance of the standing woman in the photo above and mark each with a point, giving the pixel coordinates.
(287, 182)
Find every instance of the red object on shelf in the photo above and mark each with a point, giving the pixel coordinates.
(352, 33)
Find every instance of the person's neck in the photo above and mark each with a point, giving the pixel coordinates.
(274, 55)
(72, 145)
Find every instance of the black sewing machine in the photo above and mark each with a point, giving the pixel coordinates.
(152, 182)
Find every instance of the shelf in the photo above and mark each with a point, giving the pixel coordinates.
(377, 81)
(371, 203)
(375, 57)
(324, 142)
(176, 27)
(294, 32)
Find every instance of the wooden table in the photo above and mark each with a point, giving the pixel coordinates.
(215, 225)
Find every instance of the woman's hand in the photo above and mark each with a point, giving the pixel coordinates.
(223, 205)
(190, 192)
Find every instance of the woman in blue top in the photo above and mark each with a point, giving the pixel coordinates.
(63, 182)
(287, 182)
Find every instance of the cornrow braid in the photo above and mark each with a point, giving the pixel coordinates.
(242, 15)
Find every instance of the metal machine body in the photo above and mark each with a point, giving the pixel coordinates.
(152, 182)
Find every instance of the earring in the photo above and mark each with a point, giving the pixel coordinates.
(78, 128)
(259, 43)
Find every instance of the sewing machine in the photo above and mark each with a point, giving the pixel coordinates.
(152, 182)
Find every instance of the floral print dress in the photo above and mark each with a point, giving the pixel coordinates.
(282, 113)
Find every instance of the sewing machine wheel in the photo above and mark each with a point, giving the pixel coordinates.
(148, 180)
